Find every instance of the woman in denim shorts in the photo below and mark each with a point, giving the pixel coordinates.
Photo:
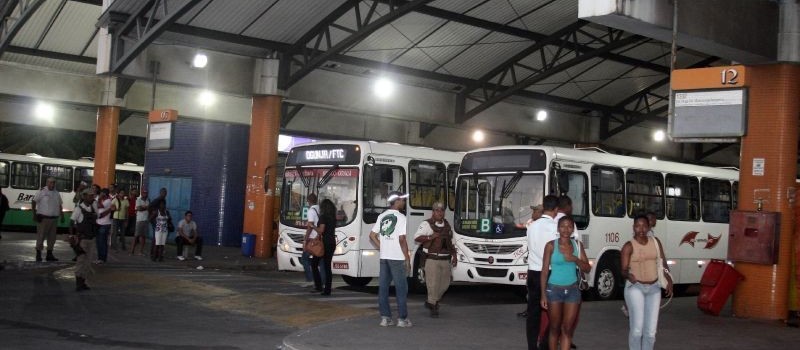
(562, 257)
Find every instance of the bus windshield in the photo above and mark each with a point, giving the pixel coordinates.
(340, 185)
(497, 206)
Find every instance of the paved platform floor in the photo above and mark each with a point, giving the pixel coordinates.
(236, 302)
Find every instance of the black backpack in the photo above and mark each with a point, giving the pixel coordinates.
(88, 227)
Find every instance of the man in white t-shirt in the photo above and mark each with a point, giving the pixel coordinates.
(46, 207)
(187, 235)
(389, 235)
(539, 233)
(142, 221)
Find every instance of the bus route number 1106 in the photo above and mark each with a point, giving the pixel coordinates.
(612, 237)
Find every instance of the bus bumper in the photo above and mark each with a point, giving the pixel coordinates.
(499, 274)
(289, 261)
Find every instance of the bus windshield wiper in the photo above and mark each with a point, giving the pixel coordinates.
(509, 187)
(327, 177)
(306, 180)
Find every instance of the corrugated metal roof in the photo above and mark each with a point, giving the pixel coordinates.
(29, 34)
(481, 58)
(459, 6)
(232, 16)
(552, 17)
(627, 85)
(288, 20)
(417, 58)
(72, 29)
(412, 27)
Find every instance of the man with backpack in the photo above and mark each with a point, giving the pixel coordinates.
(83, 230)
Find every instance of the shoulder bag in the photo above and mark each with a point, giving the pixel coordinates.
(583, 284)
(662, 272)
(314, 246)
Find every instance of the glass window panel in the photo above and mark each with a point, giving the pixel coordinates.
(62, 174)
(379, 180)
(4, 170)
(579, 193)
(452, 174)
(340, 189)
(25, 176)
(497, 206)
(128, 180)
(645, 193)
(608, 193)
(427, 184)
(683, 198)
(716, 200)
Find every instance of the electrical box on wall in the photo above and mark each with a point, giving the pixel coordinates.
(753, 237)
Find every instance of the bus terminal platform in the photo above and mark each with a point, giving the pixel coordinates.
(245, 303)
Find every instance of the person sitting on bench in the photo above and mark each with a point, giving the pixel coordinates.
(187, 235)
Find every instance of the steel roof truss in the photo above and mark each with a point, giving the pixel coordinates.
(496, 91)
(9, 26)
(140, 30)
(316, 55)
(288, 112)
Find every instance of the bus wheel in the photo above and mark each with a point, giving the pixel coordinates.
(607, 280)
(417, 281)
(356, 281)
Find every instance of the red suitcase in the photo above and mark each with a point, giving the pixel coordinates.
(716, 286)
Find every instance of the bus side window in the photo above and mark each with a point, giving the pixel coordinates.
(683, 198)
(4, 169)
(427, 184)
(608, 194)
(25, 175)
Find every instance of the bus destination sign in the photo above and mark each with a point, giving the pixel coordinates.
(324, 154)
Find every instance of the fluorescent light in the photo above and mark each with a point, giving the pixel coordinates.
(654, 158)
(541, 115)
(478, 136)
(659, 135)
(383, 88)
(44, 111)
(200, 61)
(206, 98)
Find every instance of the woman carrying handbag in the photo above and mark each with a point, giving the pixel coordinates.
(643, 262)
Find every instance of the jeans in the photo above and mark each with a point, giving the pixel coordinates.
(198, 245)
(102, 242)
(305, 259)
(644, 302)
(321, 270)
(118, 233)
(393, 271)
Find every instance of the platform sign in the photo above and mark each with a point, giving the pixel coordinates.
(711, 113)
(159, 136)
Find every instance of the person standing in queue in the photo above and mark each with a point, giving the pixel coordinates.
(46, 207)
(83, 230)
(326, 226)
(642, 291)
(161, 217)
(4, 207)
(312, 218)
(142, 216)
(536, 213)
(389, 235)
(564, 209)
(539, 234)
(104, 209)
(561, 296)
(152, 214)
(436, 237)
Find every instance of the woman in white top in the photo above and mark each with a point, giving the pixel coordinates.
(160, 234)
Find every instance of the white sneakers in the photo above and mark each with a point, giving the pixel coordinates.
(386, 321)
(182, 258)
(401, 322)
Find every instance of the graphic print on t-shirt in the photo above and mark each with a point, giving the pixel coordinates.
(388, 225)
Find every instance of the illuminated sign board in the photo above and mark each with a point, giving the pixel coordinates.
(324, 154)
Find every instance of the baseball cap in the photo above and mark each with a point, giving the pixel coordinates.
(395, 195)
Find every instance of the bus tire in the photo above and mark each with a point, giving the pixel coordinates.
(416, 283)
(356, 281)
(607, 280)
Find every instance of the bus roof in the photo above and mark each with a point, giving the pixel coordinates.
(60, 161)
(593, 157)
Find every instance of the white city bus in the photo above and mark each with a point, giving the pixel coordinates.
(21, 177)
(356, 176)
(497, 186)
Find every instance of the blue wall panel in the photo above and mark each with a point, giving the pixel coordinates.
(214, 156)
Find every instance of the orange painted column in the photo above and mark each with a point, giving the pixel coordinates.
(261, 170)
(105, 145)
(773, 110)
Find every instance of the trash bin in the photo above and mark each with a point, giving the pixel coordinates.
(716, 286)
(248, 244)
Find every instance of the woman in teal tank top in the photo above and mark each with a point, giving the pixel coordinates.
(560, 294)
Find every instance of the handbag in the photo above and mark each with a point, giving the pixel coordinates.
(662, 272)
(583, 284)
(314, 247)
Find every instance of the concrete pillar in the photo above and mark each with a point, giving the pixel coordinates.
(262, 157)
(773, 109)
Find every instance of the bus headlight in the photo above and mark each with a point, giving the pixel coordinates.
(339, 250)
